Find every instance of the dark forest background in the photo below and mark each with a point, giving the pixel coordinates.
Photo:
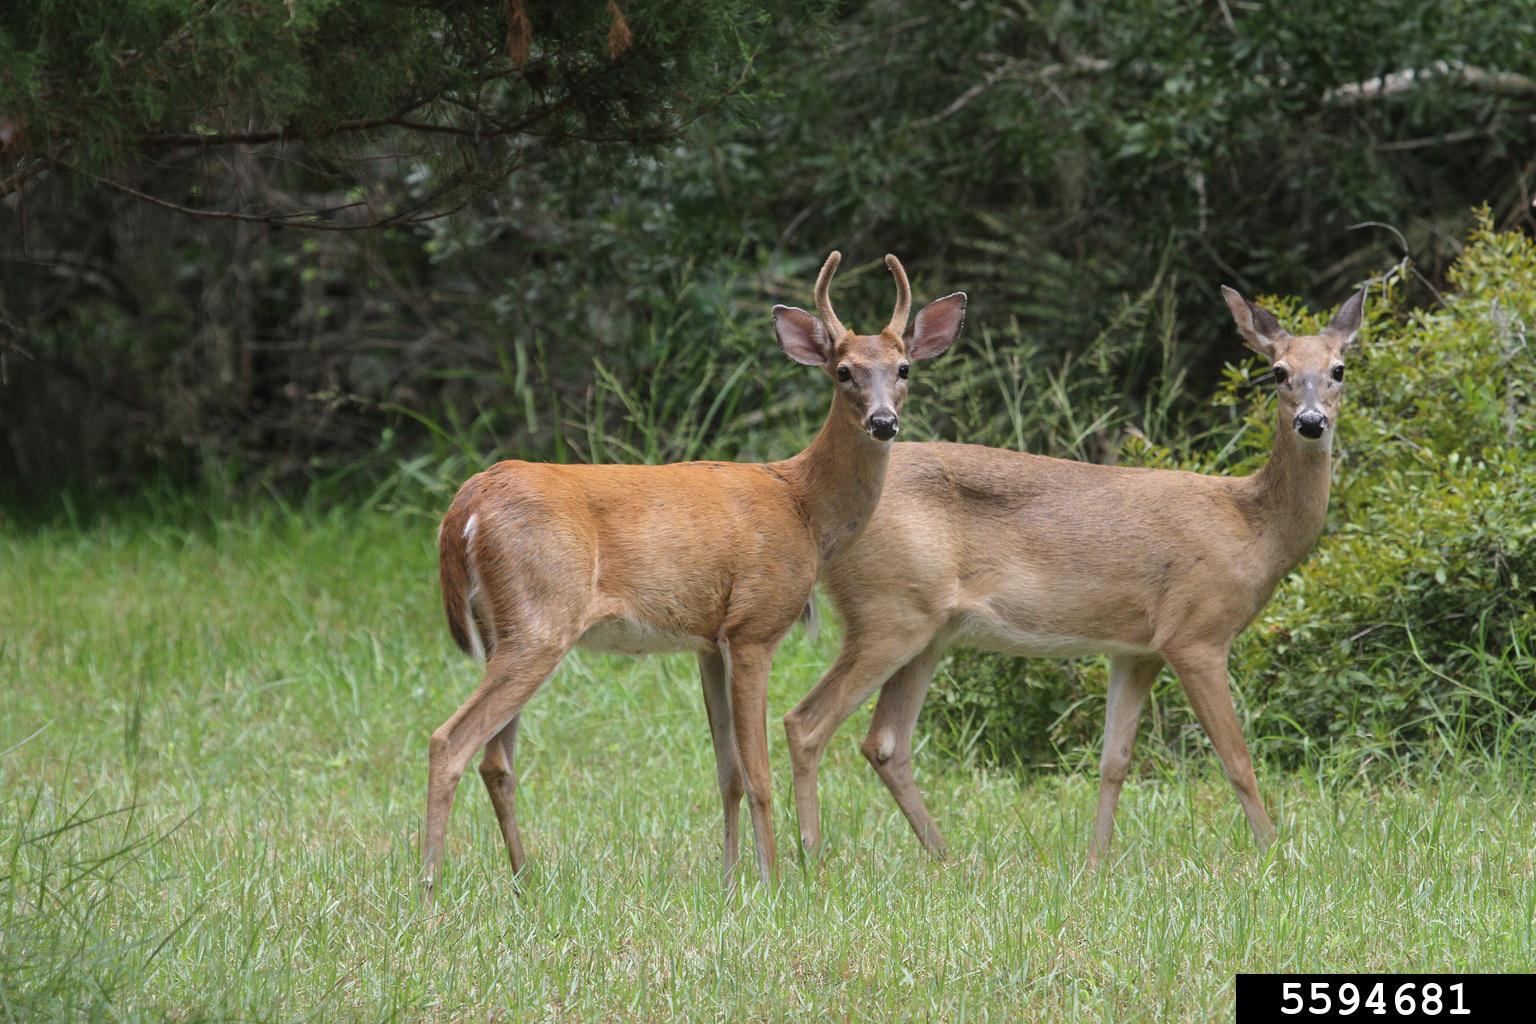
(276, 276)
(305, 241)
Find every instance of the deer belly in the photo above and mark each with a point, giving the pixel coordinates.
(620, 634)
(988, 633)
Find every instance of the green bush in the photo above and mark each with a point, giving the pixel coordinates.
(1410, 630)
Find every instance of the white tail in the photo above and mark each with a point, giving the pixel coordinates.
(1035, 556)
(713, 557)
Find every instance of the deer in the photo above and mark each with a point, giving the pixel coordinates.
(717, 558)
(1042, 557)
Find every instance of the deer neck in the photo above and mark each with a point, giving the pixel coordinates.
(1291, 492)
(838, 478)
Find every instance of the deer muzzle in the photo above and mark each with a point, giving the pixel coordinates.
(883, 425)
(1311, 424)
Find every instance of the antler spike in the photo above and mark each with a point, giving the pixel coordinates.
(898, 324)
(829, 319)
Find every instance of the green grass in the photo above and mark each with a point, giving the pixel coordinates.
(217, 819)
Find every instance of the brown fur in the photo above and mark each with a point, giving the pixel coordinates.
(1036, 556)
(713, 557)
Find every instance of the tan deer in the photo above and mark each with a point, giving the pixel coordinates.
(1027, 555)
(713, 557)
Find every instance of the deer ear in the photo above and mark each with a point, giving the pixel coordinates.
(801, 335)
(1258, 326)
(1346, 322)
(937, 326)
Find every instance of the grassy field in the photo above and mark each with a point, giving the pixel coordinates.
(214, 770)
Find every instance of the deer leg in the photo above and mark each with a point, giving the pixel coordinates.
(511, 678)
(1130, 680)
(889, 743)
(498, 771)
(1203, 673)
(859, 670)
(717, 704)
(749, 667)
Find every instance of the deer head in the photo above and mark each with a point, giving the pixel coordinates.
(870, 369)
(1308, 372)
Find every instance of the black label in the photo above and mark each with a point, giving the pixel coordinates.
(1382, 997)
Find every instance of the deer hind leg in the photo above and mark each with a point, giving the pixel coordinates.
(889, 743)
(749, 667)
(862, 665)
(717, 704)
(498, 769)
(511, 677)
(1203, 672)
(1130, 680)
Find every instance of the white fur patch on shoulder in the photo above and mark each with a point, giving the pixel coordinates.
(469, 527)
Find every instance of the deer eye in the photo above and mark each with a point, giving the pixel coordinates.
(903, 370)
(1338, 372)
(1281, 374)
(844, 374)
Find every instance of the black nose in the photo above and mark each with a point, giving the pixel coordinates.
(1311, 424)
(883, 426)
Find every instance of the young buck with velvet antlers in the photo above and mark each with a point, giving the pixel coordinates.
(1034, 556)
(713, 557)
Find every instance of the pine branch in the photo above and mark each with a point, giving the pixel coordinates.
(420, 212)
(399, 119)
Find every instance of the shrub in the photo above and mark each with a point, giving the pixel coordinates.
(1408, 631)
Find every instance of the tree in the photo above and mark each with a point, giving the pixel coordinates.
(153, 153)
(314, 113)
(1078, 168)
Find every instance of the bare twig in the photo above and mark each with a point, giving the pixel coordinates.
(417, 213)
(21, 177)
(1226, 16)
(1403, 145)
(1499, 83)
(1404, 264)
(1018, 71)
(399, 119)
